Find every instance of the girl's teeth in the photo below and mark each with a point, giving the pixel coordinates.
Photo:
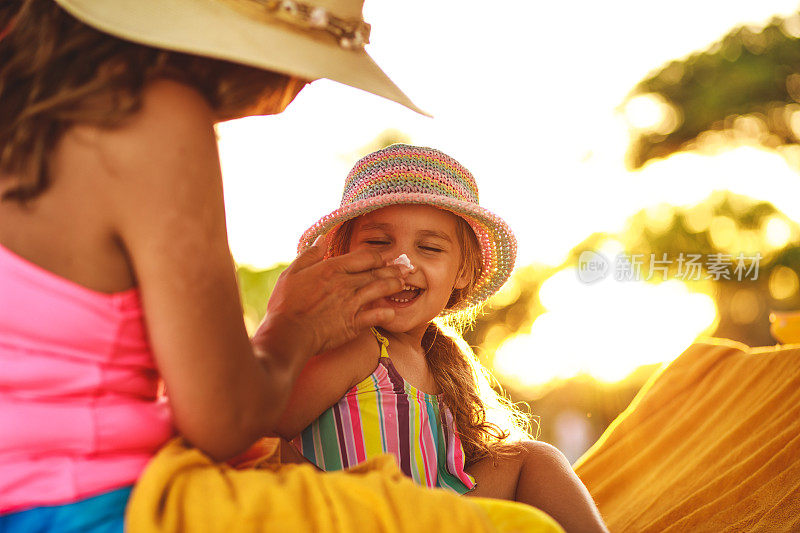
(415, 290)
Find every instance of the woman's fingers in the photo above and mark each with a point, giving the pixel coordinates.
(379, 288)
(373, 317)
(363, 278)
(352, 263)
(311, 255)
(358, 261)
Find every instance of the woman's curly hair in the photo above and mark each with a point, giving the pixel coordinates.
(56, 71)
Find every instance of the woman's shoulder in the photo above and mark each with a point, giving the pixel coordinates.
(172, 133)
(170, 115)
(150, 155)
(168, 99)
(173, 92)
(164, 109)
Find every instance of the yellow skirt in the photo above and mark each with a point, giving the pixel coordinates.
(183, 490)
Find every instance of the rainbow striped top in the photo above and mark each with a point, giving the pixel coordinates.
(384, 414)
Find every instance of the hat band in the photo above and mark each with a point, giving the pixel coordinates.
(351, 34)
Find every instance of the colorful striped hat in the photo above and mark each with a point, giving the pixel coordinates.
(403, 174)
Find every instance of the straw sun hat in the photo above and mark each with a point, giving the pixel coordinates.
(310, 39)
(403, 174)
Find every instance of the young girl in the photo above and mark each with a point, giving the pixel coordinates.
(408, 389)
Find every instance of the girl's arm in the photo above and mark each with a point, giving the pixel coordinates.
(324, 380)
(165, 203)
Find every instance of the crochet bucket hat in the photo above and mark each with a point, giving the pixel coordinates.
(310, 39)
(402, 174)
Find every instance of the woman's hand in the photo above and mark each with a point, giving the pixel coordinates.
(318, 305)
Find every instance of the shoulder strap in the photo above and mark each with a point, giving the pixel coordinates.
(383, 341)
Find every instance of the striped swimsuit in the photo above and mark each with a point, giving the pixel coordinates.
(386, 414)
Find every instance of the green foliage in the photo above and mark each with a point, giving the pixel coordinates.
(752, 72)
(682, 234)
(744, 88)
(255, 287)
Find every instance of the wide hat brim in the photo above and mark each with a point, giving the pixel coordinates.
(496, 240)
(215, 29)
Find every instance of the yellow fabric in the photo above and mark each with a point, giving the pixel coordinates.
(508, 516)
(183, 490)
(712, 443)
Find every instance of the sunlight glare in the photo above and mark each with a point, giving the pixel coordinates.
(722, 231)
(783, 283)
(606, 329)
(651, 113)
(777, 232)
(697, 218)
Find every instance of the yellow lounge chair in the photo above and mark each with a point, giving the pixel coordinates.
(711, 443)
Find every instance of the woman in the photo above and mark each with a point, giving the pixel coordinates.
(114, 265)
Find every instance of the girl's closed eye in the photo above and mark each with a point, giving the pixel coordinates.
(429, 247)
(433, 249)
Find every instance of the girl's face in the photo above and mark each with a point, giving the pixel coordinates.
(428, 236)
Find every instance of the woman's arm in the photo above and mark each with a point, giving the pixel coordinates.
(166, 203)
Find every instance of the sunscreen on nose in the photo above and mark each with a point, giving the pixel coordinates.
(404, 261)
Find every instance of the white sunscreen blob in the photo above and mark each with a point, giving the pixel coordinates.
(403, 259)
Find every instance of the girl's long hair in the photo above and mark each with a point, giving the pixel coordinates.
(487, 422)
(56, 71)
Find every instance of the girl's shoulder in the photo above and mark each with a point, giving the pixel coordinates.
(359, 355)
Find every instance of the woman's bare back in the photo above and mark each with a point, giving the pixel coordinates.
(67, 230)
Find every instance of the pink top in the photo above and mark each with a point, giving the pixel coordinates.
(79, 406)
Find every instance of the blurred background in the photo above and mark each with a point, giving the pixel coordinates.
(618, 139)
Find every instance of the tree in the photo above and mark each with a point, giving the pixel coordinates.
(747, 85)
